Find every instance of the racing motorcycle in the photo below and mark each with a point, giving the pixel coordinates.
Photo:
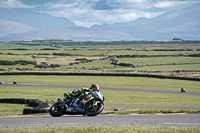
(92, 104)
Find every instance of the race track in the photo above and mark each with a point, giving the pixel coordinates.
(123, 89)
(109, 88)
(174, 120)
(181, 120)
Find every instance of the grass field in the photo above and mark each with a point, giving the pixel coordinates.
(106, 81)
(159, 60)
(161, 68)
(85, 52)
(144, 52)
(122, 129)
(62, 60)
(15, 57)
(14, 45)
(143, 64)
(28, 67)
(11, 109)
(29, 52)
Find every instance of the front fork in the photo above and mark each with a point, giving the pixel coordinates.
(61, 102)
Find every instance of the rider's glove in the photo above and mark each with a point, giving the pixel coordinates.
(85, 89)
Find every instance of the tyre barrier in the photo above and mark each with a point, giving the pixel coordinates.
(14, 100)
(37, 105)
(34, 111)
(20, 101)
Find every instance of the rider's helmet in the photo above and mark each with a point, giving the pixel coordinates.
(76, 92)
(94, 87)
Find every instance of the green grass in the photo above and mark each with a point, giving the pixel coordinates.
(108, 129)
(159, 68)
(14, 45)
(15, 57)
(29, 66)
(132, 52)
(106, 81)
(151, 111)
(96, 64)
(85, 52)
(159, 60)
(29, 52)
(11, 109)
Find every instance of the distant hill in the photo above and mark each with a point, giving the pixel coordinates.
(33, 19)
(8, 27)
(180, 23)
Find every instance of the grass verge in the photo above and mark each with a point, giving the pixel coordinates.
(116, 129)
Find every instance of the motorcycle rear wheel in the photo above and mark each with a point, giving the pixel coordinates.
(56, 110)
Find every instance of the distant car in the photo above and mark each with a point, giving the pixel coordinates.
(14, 82)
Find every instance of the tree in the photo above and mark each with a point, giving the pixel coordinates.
(177, 39)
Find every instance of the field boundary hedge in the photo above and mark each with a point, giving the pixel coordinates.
(101, 74)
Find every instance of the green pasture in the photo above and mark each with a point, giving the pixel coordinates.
(16, 45)
(29, 52)
(148, 64)
(63, 60)
(18, 66)
(145, 64)
(161, 68)
(106, 81)
(11, 109)
(95, 64)
(159, 60)
(15, 57)
(144, 52)
(85, 52)
(107, 129)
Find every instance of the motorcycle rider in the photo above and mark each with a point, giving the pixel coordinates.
(78, 94)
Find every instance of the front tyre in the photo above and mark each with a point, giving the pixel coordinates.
(93, 111)
(56, 110)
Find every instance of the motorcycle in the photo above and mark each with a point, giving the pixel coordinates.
(92, 104)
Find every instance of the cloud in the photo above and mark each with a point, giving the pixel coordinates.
(86, 13)
(168, 4)
(90, 12)
(13, 4)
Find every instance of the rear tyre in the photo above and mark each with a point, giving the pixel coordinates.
(56, 110)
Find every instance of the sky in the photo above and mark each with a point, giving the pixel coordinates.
(90, 12)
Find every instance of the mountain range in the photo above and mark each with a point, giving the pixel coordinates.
(21, 25)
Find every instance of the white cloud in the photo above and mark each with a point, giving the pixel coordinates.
(13, 4)
(83, 12)
(167, 4)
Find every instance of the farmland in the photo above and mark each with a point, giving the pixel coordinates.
(158, 58)
(46, 57)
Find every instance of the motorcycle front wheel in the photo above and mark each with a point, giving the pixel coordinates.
(94, 110)
(56, 110)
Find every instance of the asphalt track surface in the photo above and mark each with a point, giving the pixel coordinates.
(122, 89)
(183, 120)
